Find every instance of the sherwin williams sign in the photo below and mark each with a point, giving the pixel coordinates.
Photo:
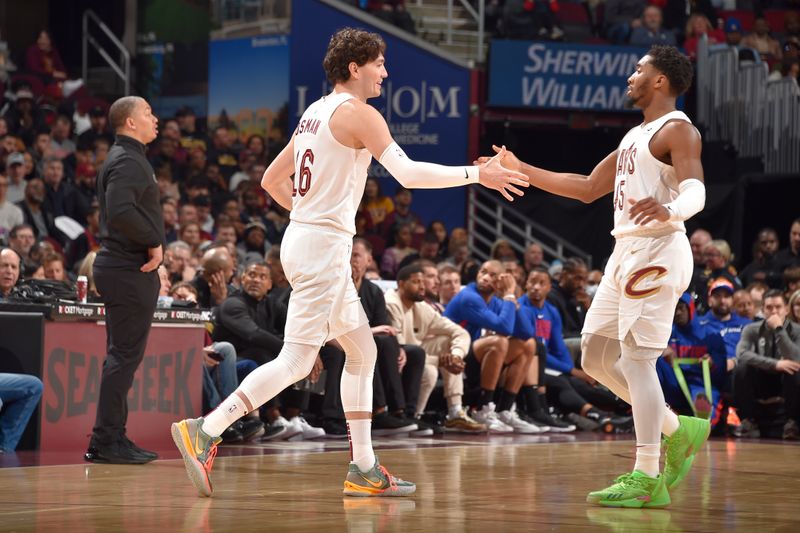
(561, 76)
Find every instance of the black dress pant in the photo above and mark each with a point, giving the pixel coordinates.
(387, 384)
(751, 384)
(130, 298)
(333, 362)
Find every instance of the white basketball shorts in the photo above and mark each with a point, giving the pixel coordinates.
(324, 303)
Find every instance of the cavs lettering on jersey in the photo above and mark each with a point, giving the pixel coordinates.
(639, 175)
(329, 177)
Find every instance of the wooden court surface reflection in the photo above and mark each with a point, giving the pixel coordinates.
(491, 487)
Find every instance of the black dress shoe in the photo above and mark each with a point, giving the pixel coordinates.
(232, 435)
(116, 453)
(141, 451)
(250, 428)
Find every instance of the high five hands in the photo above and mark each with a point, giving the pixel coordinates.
(501, 173)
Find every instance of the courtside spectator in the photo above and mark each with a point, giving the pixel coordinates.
(10, 214)
(743, 305)
(19, 396)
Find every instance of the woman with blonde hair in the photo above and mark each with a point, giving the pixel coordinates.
(86, 270)
(794, 307)
(697, 26)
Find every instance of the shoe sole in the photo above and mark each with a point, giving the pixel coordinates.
(358, 491)
(697, 442)
(194, 468)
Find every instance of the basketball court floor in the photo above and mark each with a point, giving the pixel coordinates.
(483, 484)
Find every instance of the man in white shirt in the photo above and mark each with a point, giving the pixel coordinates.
(10, 215)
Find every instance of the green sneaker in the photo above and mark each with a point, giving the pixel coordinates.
(682, 446)
(377, 481)
(633, 490)
(198, 451)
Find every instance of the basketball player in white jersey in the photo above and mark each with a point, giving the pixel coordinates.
(657, 180)
(328, 154)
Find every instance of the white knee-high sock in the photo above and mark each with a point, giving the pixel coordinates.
(600, 359)
(293, 363)
(356, 389)
(638, 365)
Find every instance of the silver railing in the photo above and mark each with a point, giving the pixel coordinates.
(490, 218)
(121, 68)
(736, 103)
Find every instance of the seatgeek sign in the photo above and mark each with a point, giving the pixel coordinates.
(535, 74)
(425, 100)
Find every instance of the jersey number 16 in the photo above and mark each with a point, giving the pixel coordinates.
(304, 178)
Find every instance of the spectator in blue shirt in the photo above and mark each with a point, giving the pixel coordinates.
(721, 320)
(565, 385)
(691, 340)
(491, 322)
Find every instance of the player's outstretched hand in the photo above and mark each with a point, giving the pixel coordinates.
(647, 209)
(508, 159)
(494, 175)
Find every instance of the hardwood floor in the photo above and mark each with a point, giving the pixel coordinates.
(489, 485)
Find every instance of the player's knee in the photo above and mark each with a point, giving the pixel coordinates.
(299, 359)
(591, 360)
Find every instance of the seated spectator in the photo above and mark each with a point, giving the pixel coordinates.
(10, 264)
(169, 213)
(559, 382)
(760, 40)
(82, 195)
(743, 305)
(61, 144)
(394, 12)
(721, 320)
(445, 345)
(651, 31)
(790, 256)
(621, 18)
(56, 188)
(503, 251)
(515, 269)
(476, 308)
(15, 172)
(10, 214)
(449, 283)
(794, 307)
(21, 239)
(254, 243)
(281, 289)
(733, 32)
(177, 259)
(192, 138)
(190, 234)
(791, 280)
(213, 280)
(762, 267)
(534, 258)
(756, 291)
(401, 214)
(54, 268)
(33, 209)
(257, 146)
(677, 12)
(99, 128)
(691, 340)
(519, 20)
(438, 228)
(570, 298)
(19, 396)
(768, 368)
(428, 251)
(717, 257)
(697, 26)
(398, 369)
(253, 211)
(24, 119)
(44, 60)
(254, 325)
(593, 280)
(375, 205)
(393, 256)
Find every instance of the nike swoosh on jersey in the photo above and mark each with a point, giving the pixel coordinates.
(466, 174)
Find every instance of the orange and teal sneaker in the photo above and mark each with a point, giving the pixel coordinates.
(198, 451)
(636, 490)
(377, 481)
(682, 446)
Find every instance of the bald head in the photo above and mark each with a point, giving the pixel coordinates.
(217, 259)
(121, 110)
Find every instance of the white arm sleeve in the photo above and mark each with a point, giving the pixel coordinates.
(417, 175)
(690, 201)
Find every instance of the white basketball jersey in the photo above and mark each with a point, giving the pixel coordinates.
(640, 174)
(329, 177)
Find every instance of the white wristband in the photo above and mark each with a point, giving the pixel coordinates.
(690, 201)
(418, 175)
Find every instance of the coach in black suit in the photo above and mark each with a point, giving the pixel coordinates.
(125, 272)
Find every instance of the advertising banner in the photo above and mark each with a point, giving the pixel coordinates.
(167, 386)
(561, 75)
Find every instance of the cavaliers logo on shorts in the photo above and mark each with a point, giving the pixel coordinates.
(641, 276)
